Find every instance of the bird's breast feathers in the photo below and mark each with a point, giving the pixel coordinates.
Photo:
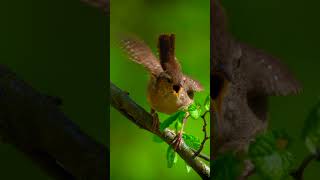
(166, 100)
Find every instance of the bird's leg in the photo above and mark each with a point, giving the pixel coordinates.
(155, 120)
(178, 139)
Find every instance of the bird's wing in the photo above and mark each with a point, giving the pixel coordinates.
(266, 74)
(140, 53)
(194, 85)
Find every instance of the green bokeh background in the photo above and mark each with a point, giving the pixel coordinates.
(133, 153)
(59, 47)
(288, 29)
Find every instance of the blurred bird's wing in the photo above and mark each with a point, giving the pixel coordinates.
(266, 74)
(140, 53)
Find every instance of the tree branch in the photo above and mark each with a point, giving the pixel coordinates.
(202, 155)
(136, 114)
(298, 173)
(34, 124)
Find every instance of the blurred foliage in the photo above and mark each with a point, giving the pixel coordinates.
(311, 130)
(226, 167)
(59, 48)
(270, 156)
(133, 153)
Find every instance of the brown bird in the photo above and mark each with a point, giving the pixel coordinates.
(243, 78)
(169, 90)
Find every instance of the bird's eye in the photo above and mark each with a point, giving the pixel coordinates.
(190, 94)
(218, 83)
(176, 88)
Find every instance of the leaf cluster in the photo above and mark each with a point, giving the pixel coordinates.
(194, 111)
(270, 154)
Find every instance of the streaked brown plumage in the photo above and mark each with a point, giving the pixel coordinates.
(169, 90)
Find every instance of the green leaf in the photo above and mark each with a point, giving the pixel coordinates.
(195, 110)
(226, 167)
(178, 126)
(172, 157)
(207, 103)
(311, 130)
(166, 123)
(157, 139)
(191, 141)
(270, 156)
(188, 168)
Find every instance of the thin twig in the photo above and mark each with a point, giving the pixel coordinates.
(206, 137)
(298, 173)
(202, 155)
(136, 114)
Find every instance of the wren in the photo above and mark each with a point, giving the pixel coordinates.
(169, 90)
